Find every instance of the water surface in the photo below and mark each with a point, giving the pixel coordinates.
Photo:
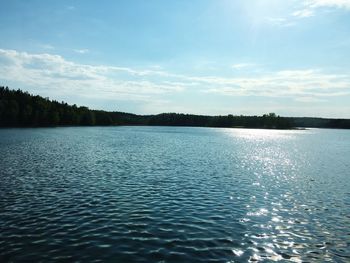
(172, 194)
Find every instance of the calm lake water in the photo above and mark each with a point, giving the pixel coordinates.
(172, 194)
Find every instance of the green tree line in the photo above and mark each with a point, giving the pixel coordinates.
(21, 109)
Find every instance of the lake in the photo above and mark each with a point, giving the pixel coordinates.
(174, 194)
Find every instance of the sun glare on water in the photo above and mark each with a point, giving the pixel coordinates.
(261, 134)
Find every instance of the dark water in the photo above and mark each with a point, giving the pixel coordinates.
(165, 194)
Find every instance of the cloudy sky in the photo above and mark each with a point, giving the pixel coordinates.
(211, 57)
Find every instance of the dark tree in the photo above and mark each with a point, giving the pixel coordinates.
(20, 109)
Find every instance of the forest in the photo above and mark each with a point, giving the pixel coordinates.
(21, 109)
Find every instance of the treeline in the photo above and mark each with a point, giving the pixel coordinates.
(269, 121)
(21, 109)
(308, 122)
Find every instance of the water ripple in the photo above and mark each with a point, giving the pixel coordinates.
(166, 194)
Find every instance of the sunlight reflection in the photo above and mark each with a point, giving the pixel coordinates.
(261, 134)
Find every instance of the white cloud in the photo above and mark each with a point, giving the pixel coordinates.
(310, 7)
(306, 9)
(47, 46)
(81, 51)
(53, 72)
(329, 3)
(309, 99)
(240, 66)
(303, 13)
(56, 75)
(280, 21)
(287, 83)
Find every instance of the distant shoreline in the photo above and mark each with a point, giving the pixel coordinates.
(21, 109)
(140, 125)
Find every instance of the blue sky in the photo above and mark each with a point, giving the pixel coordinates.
(212, 57)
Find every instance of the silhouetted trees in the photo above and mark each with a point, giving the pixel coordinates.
(20, 109)
(268, 121)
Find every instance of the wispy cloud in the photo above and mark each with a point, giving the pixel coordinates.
(280, 21)
(311, 6)
(287, 83)
(329, 3)
(47, 46)
(53, 72)
(82, 51)
(310, 99)
(303, 13)
(56, 74)
(240, 66)
(306, 9)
